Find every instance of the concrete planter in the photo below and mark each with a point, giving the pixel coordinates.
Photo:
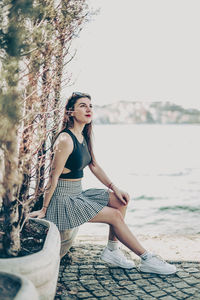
(16, 287)
(67, 238)
(42, 267)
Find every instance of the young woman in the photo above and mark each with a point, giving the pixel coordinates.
(68, 206)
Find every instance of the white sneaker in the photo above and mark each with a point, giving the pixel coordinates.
(117, 258)
(155, 264)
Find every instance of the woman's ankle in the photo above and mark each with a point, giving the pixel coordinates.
(113, 245)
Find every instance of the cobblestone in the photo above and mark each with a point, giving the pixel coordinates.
(87, 277)
(158, 294)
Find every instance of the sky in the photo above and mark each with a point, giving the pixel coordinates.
(139, 50)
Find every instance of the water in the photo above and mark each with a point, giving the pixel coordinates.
(159, 166)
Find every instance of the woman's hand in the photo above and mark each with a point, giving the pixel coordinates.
(121, 195)
(38, 213)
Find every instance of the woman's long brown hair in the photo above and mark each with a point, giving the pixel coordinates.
(68, 120)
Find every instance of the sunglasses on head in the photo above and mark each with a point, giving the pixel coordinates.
(79, 94)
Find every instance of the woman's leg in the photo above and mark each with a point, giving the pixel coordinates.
(149, 263)
(114, 217)
(114, 202)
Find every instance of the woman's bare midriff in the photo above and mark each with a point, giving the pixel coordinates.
(66, 171)
(70, 179)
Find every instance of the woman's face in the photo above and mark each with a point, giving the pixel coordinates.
(83, 111)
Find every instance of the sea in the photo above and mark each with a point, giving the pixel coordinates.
(159, 166)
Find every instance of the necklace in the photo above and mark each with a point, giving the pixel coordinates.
(79, 136)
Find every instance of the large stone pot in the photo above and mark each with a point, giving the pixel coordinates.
(16, 287)
(42, 267)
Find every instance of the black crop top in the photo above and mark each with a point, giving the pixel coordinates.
(78, 159)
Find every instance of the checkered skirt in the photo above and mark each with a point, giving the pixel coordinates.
(70, 206)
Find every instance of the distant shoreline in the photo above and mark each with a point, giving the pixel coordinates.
(126, 112)
(152, 124)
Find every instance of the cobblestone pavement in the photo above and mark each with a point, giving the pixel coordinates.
(87, 277)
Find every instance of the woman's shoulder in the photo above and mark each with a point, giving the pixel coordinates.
(64, 140)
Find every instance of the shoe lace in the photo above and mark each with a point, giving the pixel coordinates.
(120, 254)
(159, 258)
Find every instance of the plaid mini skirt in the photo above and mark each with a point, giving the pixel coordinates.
(70, 206)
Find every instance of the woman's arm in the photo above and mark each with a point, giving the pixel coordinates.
(62, 149)
(101, 175)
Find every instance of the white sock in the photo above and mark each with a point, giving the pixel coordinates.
(145, 255)
(112, 245)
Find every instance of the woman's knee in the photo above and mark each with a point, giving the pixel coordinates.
(117, 216)
(116, 203)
